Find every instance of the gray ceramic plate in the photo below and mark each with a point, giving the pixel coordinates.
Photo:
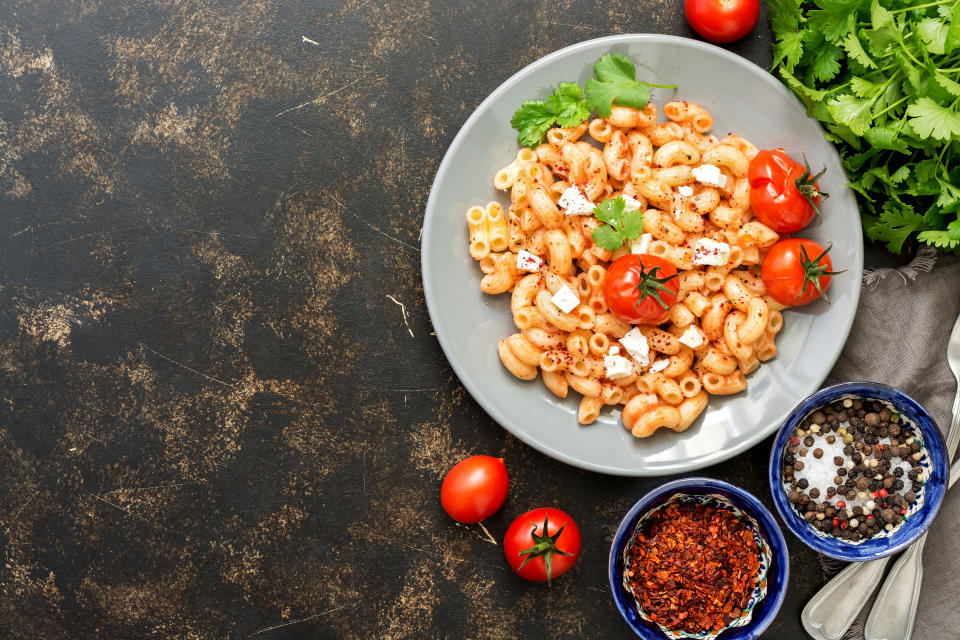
(743, 99)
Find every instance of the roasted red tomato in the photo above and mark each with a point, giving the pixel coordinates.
(783, 194)
(640, 289)
(722, 20)
(474, 488)
(542, 544)
(797, 271)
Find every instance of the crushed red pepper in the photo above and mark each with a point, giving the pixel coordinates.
(693, 567)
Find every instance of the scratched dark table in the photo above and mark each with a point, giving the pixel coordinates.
(222, 409)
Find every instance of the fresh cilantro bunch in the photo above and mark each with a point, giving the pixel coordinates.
(883, 76)
(619, 225)
(570, 105)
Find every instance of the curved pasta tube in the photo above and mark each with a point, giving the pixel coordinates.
(600, 130)
(660, 227)
(715, 361)
(679, 364)
(544, 207)
(585, 386)
(755, 232)
(641, 150)
(745, 147)
(611, 325)
(706, 200)
(513, 364)
(479, 237)
(755, 324)
(726, 217)
(558, 136)
(726, 156)
(673, 176)
(690, 408)
(615, 156)
(524, 292)
(558, 251)
(712, 320)
(660, 340)
(662, 416)
(731, 328)
(503, 276)
(676, 152)
(589, 409)
(737, 293)
(689, 384)
(543, 338)
(661, 134)
(724, 385)
(556, 383)
(554, 316)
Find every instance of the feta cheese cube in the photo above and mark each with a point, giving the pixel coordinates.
(636, 345)
(710, 252)
(614, 350)
(617, 367)
(575, 202)
(641, 244)
(710, 175)
(565, 299)
(631, 204)
(526, 261)
(660, 365)
(685, 190)
(693, 337)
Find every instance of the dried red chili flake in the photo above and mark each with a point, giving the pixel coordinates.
(693, 567)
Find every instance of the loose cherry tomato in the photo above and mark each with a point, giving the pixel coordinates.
(797, 271)
(783, 194)
(722, 20)
(640, 289)
(542, 544)
(474, 489)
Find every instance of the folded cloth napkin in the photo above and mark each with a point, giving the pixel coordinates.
(900, 338)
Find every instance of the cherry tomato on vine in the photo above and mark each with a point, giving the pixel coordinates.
(783, 194)
(640, 289)
(542, 544)
(797, 271)
(474, 489)
(722, 20)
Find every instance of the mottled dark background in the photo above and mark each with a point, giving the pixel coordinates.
(214, 420)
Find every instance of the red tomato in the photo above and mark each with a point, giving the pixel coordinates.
(722, 20)
(640, 289)
(783, 194)
(797, 271)
(474, 489)
(542, 544)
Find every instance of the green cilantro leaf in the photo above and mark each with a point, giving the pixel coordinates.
(615, 82)
(788, 49)
(886, 138)
(532, 121)
(567, 105)
(619, 225)
(826, 62)
(894, 225)
(885, 30)
(931, 120)
(934, 33)
(851, 111)
(855, 50)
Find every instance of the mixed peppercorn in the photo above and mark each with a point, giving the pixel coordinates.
(693, 567)
(877, 469)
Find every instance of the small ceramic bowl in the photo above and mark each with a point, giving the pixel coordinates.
(917, 521)
(768, 597)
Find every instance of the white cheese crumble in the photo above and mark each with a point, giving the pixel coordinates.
(617, 367)
(693, 337)
(641, 244)
(660, 365)
(710, 175)
(636, 345)
(565, 299)
(710, 252)
(526, 261)
(614, 350)
(575, 202)
(630, 204)
(685, 190)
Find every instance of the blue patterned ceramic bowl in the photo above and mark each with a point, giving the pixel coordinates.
(921, 515)
(768, 596)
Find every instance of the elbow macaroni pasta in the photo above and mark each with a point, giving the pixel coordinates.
(652, 163)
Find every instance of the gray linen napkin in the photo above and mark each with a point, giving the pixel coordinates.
(899, 337)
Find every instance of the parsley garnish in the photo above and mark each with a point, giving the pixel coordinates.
(570, 105)
(884, 78)
(616, 82)
(619, 225)
(565, 108)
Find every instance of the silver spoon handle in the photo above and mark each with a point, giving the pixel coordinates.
(895, 608)
(833, 609)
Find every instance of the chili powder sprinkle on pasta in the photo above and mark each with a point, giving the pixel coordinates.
(693, 567)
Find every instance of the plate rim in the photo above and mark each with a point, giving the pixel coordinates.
(477, 393)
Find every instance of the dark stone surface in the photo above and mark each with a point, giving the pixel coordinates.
(213, 420)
